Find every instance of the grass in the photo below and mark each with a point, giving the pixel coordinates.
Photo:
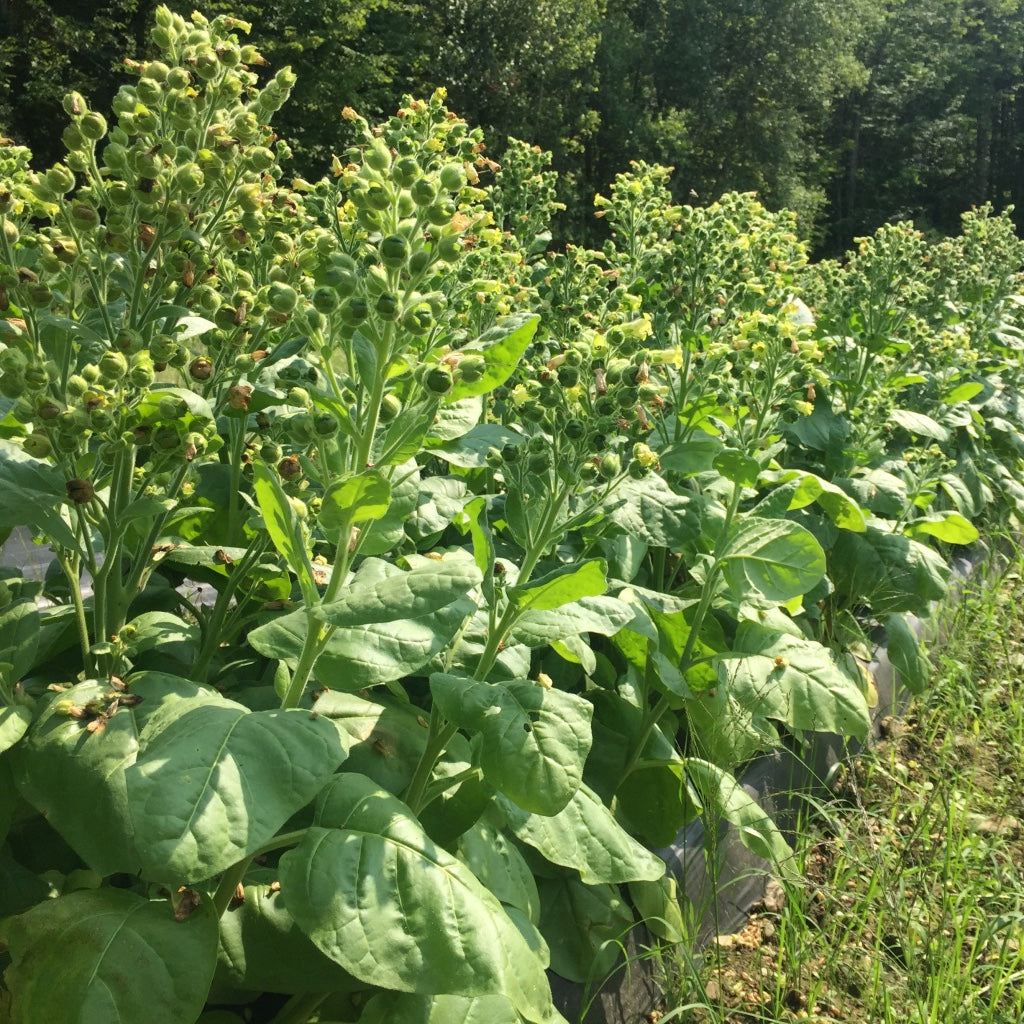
(910, 908)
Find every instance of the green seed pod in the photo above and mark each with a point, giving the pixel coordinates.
(142, 373)
(387, 306)
(453, 177)
(260, 159)
(47, 410)
(76, 386)
(406, 171)
(441, 213)
(449, 248)
(588, 472)
(532, 412)
(113, 365)
(270, 452)
(394, 251)
(172, 408)
(471, 368)
(610, 466)
(325, 425)
(378, 155)
(189, 178)
(298, 398)
(575, 430)
(36, 378)
(325, 300)
(165, 438)
(282, 297)
(38, 445)
(423, 192)
(355, 311)
(568, 376)
(390, 407)
(60, 179)
(438, 380)
(511, 453)
(101, 419)
(418, 319)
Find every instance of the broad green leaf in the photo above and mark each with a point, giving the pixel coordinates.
(724, 797)
(14, 723)
(535, 739)
(889, 572)
(366, 655)
(19, 636)
(658, 905)
(906, 654)
(565, 584)
(470, 450)
(383, 742)
(964, 392)
(473, 518)
(383, 534)
(601, 614)
(584, 926)
(584, 835)
(949, 527)
(499, 865)
(688, 458)
(377, 896)
(373, 598)
(837, 504)
(454, 419)
(799, 682)
(653, 804)
(440, 501)
(737, 467)
(170, 633)
(31, 493)
(357, 499)
(108, 956)
(918, 424)
(650, 510)
(285, 530)
(774, 558)
(878, 491)
(502, 347)
(262, 948)
(412, 1008)
(218, 781)
(61, 767)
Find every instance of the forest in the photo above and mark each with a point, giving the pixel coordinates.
(850, 114)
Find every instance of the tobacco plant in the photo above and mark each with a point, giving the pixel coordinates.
(407, 582)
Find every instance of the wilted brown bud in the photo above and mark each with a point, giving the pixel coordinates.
(80, 491)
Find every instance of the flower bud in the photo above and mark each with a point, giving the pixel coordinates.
(79, 491)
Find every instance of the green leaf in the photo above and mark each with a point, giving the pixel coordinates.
(411, 1008)
(501, 868)
(473, 518)
(567, 583)
(383, 742)
(906, 654)
(964, 392)
(453, 420)
(61, 768)
(724, 797)
(775, 558)
(737, 467)
(14, 723)
(650, 510)
(262, 948)
(108, 956)
(284, 528)
(799, 682)
(502, 348)
(377, 896)
(584, 835)
(583, 926)
(535, 739)
(601, 614)
(19, 636)
(218, 781)
(659, 906)
(918, 424)
(470, 450)
(362, 498)
(949, 527)
(170, 633)
(31, 493)
(836, 503)
(365, 655)
(371, 597)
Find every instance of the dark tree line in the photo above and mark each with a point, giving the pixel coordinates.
(851, 114)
